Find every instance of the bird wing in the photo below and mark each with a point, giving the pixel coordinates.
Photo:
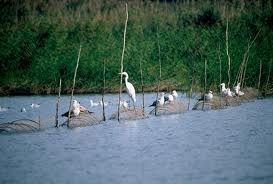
(131, 91)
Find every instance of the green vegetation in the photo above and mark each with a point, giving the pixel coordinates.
(40, 40)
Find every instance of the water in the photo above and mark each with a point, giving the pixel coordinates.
(233, 145)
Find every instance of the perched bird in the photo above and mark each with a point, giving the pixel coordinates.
(75, 111)
(93, 103)
(175, 95)
(170, 98)
(230, 93)
(23, 109)
(207, 97)
(237, 90)
(224, 91)
(129, 88)
(160, 101)
(33, 105)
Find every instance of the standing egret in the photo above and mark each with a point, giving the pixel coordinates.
(130, 88)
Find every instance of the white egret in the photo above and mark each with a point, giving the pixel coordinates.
(129, 88)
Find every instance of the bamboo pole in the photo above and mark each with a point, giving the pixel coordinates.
(227, 52)
(190, 94)
(57, 104)
(74, 80)
(103, 92)
(205, 87)
(142, 86)
(121, 61)
(159, 61)
(268, 77)
(220, 73)
(260, 74)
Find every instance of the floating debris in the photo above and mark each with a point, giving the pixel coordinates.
(20, 125)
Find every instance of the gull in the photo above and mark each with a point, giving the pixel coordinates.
(237, 90)
(123, 104)
(207, 97)
(33, 105)
(23, 109)
(93, 103)
(174, 93)
(160, 101)
(4, 109)
(75, 111)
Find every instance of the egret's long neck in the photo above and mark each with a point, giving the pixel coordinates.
(126, 78)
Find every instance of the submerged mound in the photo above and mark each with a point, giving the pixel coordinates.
(129, 114)
(82, 120)
(219, 102)
(175, 107)
(19, 126)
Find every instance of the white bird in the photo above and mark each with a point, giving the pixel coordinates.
(23, 110)
(33, 105)
(4, 109)
(123, 104)
(175, 95)
(230, 93)
(207, 97)
(237, 90)
(170, 98)
(224, 91)
(75, 111)
(160, 101)
(93, 103)
(129, 88)
(105, 103)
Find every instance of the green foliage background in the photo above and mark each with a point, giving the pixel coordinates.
(40, 41)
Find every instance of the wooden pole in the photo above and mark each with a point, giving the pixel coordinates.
(103, 91)
(142, 86)
(57, 104)
(121, 61)
(260, 74)
(268, 77)
(205, 87)
(227, 54)
(74, 80)
(220, 73)
(159, 61)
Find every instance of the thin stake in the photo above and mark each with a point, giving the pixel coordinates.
(142, 85)
(121, 61)
(220, 73)
(205, 87)
(103, 91)
(57, 104)
(74, 80)
(228, 54)
(260, 74)
(269, 72)
(159, 61)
